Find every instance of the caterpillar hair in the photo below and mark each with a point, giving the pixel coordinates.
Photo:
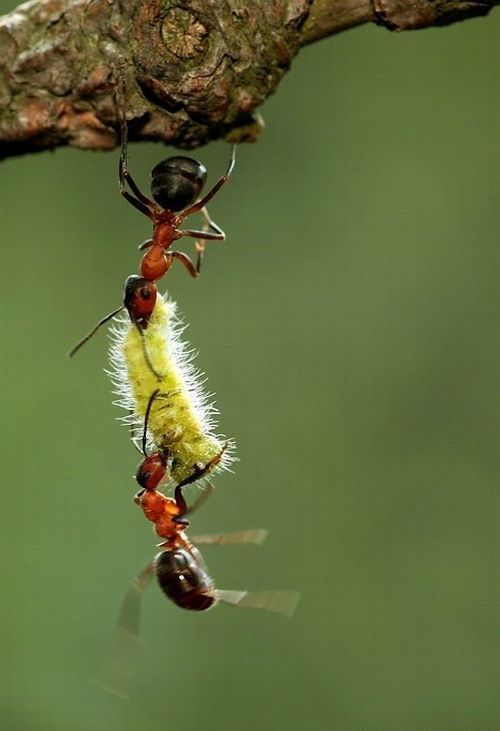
(152, 372)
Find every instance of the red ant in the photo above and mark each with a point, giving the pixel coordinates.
(179, 567)
(176, 184)
(183, 577)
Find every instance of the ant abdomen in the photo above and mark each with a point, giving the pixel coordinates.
(177, 182)
(184, 580)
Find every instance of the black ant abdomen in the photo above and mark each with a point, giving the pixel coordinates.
(177, 182)
(184, 580)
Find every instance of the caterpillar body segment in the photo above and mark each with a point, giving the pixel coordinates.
(153, 374)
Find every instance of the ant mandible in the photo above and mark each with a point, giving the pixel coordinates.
(176, 183)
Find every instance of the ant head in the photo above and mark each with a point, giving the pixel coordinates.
(151, 471)
(139, 299)
(177, 182)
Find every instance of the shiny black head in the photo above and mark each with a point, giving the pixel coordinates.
(177, 182)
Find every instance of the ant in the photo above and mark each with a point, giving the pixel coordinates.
(183, 577)
(180, 569)
(176, 184)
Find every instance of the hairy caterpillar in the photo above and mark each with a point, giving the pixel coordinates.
(180, 418)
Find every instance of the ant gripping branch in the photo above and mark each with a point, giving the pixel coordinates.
(176, 184)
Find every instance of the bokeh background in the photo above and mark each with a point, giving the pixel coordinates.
(349, 327)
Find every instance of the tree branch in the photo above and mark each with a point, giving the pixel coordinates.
(194, 70)
(327, 17)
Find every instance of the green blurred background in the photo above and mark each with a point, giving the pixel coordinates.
(349, 328)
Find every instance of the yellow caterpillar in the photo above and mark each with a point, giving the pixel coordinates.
(180, 418)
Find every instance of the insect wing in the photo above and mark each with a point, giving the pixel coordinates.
(256, 536)
(281, 602)
(117, 671)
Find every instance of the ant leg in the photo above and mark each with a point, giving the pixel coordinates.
(211, 223)
(200, 250)
(204, 235)
(182, 504)
(208, 235)
(200, 244)
(185, 260)
(181, 501)
(202, 470)
(140, 201)
(145, 244)
(137, 204)
(198, 472)
(218, 185)
(87, 337)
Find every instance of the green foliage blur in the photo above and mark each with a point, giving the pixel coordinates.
(349, 327)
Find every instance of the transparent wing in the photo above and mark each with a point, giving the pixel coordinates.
(282, 602)
(256, 536)
(117, 671)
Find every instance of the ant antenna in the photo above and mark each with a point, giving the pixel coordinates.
(146, 419)
(145, 353)
(89, 335)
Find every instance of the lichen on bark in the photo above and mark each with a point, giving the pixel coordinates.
(193, 70)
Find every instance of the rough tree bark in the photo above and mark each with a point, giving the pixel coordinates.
(194, 70)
